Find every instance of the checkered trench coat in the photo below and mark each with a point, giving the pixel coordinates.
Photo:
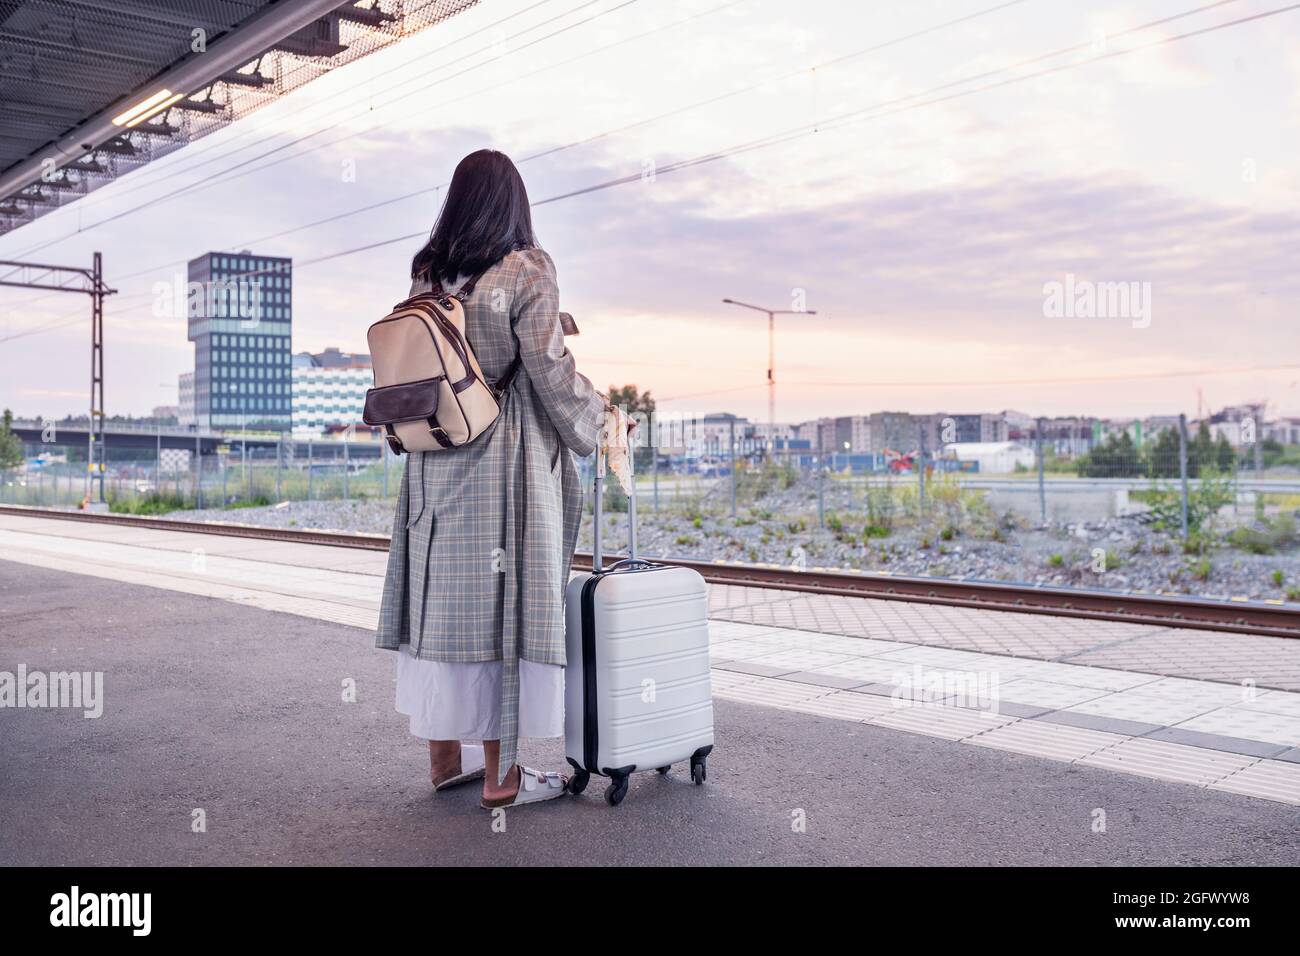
(484, 534)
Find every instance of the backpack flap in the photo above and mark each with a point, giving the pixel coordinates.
(405, 402)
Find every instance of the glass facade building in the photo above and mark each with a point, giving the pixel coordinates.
(240, 319)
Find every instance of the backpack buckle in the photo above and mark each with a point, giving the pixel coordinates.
(437, 432)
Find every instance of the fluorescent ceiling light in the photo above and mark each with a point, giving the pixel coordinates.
(143, 110)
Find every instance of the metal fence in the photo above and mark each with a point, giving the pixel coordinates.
(234, 475)
(1176, 512)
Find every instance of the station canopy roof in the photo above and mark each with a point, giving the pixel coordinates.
(92, 89)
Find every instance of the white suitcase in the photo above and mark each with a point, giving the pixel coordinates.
(637, 689)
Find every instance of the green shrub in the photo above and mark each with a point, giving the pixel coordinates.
(151, 504)
(1203, 502)
(880, 508)
(259, 501)
(1266, 536)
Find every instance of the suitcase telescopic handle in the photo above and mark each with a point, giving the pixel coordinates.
(599, 470)
(596, 551)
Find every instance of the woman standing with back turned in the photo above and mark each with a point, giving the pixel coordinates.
(484, 533)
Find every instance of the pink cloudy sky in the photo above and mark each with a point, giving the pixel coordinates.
(923, 236)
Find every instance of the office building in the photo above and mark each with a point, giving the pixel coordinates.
(241, 323)
(329, 389)
(185, 399)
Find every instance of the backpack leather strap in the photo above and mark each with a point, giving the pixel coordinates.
(466, 290)
(501, 385)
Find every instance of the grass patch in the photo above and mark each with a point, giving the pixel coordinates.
(1266, 536)
(259, 501)
(151, 504)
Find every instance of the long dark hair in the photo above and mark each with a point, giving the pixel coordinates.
(485, 217)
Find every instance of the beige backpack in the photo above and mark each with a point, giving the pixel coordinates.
(429, 391)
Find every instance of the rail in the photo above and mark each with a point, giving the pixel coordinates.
(1273, 619)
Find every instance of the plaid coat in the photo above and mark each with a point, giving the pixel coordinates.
(484, 534)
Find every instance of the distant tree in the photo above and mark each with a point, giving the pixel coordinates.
(1162, 454)
(1116, 457)
(11, 447)
(638, 405)
(632, 400)
(1225, 457)
(1200, 456)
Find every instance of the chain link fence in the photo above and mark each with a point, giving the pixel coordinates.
(1175, 510)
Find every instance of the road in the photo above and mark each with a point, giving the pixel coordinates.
(239, 713)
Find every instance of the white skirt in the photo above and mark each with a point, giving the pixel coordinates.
(463, 701)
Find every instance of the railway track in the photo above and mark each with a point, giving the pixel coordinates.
(1239, 616)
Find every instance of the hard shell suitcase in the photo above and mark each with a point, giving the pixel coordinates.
(637, 688)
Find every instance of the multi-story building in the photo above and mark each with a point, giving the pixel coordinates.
(712, 434)
(185, 399)
(1152, 425)
(900, 431)
(1068, 436)
(765, 432)
(955, 428)
(1019, 425)
(1238, 423)
(329, 389)
(1285, 430)
(241, 326)
(848, 433)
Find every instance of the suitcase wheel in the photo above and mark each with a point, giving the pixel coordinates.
(578, 782)
(616, 791)
(698, 771)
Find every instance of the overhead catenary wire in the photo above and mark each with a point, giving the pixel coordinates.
(415, 193)
(575, 143)
(241, 169)
(433, 189)
(699, 103)
(835, 61)
(841, 120)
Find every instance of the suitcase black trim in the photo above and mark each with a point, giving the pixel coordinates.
(590, 743)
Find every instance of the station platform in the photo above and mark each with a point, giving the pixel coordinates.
(850, 695)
